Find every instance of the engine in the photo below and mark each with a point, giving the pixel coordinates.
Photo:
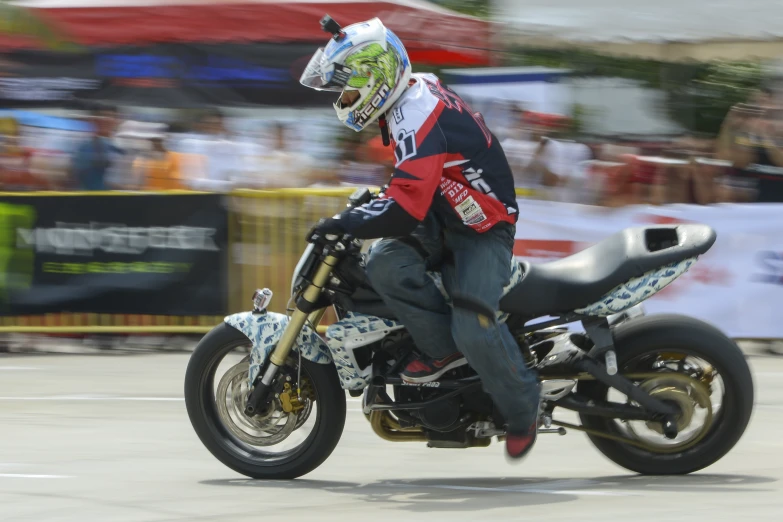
(440, 416)
(446, 421)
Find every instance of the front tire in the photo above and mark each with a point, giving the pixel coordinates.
(245, 459)
(642, 338)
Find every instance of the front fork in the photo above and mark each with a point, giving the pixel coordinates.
(298, 319)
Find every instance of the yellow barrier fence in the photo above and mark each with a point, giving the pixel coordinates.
(266, 238)
(266, 231)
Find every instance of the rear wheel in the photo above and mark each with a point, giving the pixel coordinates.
(274, 444)
(686, 363)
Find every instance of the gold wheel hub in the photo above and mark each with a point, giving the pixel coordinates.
(270, 427)
(683, 402)
(692, 399)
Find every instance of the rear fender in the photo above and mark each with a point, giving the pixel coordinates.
(638, 289)
(264, 331)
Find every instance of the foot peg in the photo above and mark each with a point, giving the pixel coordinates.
(559, 431)
(546, 425)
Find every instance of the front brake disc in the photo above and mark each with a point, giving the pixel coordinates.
(270, 427)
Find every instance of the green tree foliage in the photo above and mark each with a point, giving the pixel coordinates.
(18, 21)
(480, 8)
(700, 102)
(698, 95)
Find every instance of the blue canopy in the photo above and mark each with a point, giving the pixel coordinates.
(34, 119)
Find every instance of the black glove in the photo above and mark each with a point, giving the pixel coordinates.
(327, 230)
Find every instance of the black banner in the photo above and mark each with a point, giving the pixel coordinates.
(165, 75)
(42, 79)
(125, 254)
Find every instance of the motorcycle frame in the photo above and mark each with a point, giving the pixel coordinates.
(310, 308)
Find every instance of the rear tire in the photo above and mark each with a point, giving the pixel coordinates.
(202, 410)
(661, 333)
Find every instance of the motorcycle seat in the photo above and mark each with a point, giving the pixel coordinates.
(579, 280)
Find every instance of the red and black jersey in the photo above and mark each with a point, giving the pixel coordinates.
(447, 161)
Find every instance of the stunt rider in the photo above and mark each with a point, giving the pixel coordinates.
(451, 199)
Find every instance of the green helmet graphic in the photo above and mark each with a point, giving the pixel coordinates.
(368, 59)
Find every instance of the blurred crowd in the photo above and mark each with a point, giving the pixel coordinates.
(743, 164)
(120, 154)
(549, 160)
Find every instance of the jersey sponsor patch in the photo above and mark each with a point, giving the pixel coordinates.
(398, 117)
(470, 211)
(406, 146)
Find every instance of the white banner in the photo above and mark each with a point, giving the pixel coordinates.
(737, 286)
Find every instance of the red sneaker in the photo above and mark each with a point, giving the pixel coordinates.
(518, 445)
(428, 370)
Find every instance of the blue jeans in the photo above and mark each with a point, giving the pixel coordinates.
(480, 268)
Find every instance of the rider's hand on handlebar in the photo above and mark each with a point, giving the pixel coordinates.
(326, 230)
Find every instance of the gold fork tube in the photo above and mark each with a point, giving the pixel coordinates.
(314, 319)
(299, 318)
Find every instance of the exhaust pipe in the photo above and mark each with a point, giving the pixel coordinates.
(388, 428)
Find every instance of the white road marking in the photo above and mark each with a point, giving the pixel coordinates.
(90, 398)
(66, 398)
(770, 406)
(17, 368)
(25, 475)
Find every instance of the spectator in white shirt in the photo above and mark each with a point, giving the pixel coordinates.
(520, 148)
(280, 165)
(221, 157)
(561, 169)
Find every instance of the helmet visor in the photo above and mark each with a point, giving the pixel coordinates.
(324, 76)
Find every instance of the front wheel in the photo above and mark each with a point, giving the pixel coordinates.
(689, 364)
(275, 444)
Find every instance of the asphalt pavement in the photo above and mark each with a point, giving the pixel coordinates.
(106, 438)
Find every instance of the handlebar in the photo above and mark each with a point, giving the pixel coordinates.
(359, 197)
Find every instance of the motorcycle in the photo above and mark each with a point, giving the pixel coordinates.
(657, 394)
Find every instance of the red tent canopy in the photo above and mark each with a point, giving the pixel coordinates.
(432, 35)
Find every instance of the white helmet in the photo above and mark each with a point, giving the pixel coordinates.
(365, 57)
